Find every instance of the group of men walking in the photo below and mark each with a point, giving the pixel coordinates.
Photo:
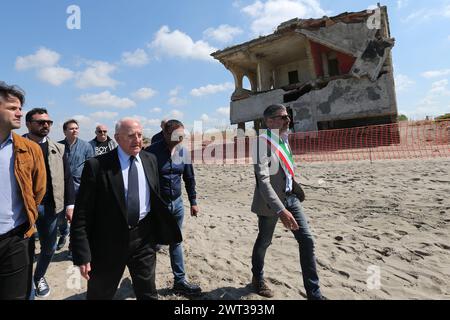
(123, 201)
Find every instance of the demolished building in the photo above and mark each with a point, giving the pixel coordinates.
(333, 72)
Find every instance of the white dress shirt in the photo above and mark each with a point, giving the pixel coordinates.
(144, 189)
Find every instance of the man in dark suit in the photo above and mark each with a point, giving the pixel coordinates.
(119, 216)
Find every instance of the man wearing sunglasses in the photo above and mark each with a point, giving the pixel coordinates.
(102, 143)
(59, 196)
(278, 196)
(174, 165)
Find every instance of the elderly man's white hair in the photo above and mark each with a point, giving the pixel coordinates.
(120, 123)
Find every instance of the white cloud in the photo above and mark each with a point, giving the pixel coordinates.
(55, 75)
(176, 101)
(179, 44)
(175, 91)
(156, 110)
(146, 122)
(137, 58)
(42, 58)
(403, 82)
(224, 111)
(435, 102)
(144, 93)
(212, 89)
(98, 74)
(107, 99)
(204, 117)
(267, 15)
(422, 15)
(224, 33)
(207, 119)
(176, 114)
(402, 4)
(439, 88)
(436, 73)
(101, 115)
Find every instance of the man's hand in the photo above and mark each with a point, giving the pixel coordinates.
(194, 211)
(288, 220)
(69, 214)
(85, 269)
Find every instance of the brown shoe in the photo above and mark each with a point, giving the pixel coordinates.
(262, 288)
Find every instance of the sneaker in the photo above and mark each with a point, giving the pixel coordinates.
(69, 255)
(186, 288)
(42, 288)
(61, 243)
(262, 288)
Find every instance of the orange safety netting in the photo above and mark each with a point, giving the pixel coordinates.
(403, 140)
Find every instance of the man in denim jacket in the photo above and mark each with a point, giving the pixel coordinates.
(78, 152)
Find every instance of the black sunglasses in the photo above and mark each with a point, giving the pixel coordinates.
(42, 122)
(102, 131)
(285, 117)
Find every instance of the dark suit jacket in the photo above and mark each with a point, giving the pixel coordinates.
(99, 231)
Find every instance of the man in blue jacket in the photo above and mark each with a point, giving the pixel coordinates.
(173, 164)
(78, 152)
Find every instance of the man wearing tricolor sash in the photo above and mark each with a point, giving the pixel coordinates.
(279, 196)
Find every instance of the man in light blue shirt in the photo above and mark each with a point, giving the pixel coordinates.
(23, 182)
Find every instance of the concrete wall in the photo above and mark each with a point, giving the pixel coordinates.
(253, 108)
(344, 99)
(282, 72)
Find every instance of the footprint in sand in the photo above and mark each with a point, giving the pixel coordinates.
(343, 273)
(442, 246)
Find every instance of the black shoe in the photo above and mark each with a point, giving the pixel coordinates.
(184, 287)
(61, 243)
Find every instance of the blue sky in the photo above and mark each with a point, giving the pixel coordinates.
(151, 58)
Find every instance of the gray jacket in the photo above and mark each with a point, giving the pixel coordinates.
(55, 163)
(270, 190)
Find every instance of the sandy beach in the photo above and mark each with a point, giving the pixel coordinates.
(391, 216)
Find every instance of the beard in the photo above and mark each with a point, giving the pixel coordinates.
(41, 133)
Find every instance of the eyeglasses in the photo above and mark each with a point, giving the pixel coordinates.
(285, 117)
(102, 131)
(42, 122)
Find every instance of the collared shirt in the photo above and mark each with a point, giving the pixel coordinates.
(144, 189)
(12, 210)
(171, 169)
(289, 178)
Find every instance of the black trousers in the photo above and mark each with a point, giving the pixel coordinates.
(141, 263)
(16, 265)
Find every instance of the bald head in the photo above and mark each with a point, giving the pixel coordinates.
(129, 135)
(101, 131)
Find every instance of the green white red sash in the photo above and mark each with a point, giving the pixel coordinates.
(282, 151)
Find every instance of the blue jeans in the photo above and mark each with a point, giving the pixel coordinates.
(47, 228)
(176, 250)
(305, 242)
